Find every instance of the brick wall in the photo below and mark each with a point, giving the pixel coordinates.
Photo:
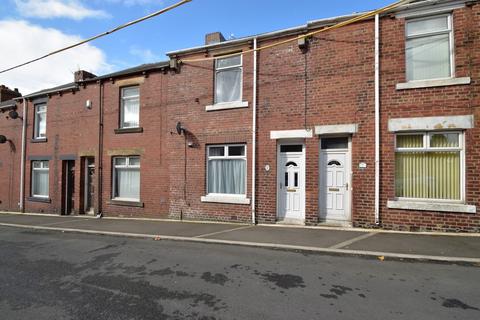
(189, 92)
(72, 129)
(149, 145)
(424, 102)
(10, 157)
(331, 83)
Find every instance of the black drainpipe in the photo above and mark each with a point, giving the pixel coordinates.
(100, 151)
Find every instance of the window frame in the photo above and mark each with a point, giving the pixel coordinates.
(32, 178)
(122, 107)
(322, 141)
(450, 31)
(426, 148)
(226, 157)
(36, 128)
(126, 166)
(217, 70)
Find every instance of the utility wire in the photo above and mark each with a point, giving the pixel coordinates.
(154, 14)
(336, 26)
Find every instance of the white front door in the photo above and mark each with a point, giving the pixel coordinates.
(334, 186)
(291, 183)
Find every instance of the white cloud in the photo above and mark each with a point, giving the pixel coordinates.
(47, 9)
(24, 41)
(145, 55)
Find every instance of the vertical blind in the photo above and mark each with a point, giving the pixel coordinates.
(428, 174)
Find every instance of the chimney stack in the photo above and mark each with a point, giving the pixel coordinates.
(8, 94)
(214, 37)
(82, 75)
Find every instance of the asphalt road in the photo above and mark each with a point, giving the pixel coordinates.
(48, 275)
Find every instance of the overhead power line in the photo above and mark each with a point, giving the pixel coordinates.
(336, 26)
(128, 24)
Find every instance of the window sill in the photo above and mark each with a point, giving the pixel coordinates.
(431, 206)
(125, 203)
(128, 130)
(38, 199)
(38, 140)
(225, 199)
(433, 83)
(227, 105)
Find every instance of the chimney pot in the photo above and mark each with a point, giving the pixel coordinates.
(7, 94)
(214, 37)
(82, 75)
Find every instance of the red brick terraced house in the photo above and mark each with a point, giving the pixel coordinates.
(374, 124)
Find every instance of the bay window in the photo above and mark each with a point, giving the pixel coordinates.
(40, 179)
(228, 79)
(429, 48)
(126, 178)
(226, 170)
(130, 107)
(429, 166)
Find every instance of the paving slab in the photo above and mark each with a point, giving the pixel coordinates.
(37, 220)
(441, 246)
(289, 236)
(167, 228)
(436, 245)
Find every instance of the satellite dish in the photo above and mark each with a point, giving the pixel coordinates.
(13, 114)
(3, 139)
(180, 128)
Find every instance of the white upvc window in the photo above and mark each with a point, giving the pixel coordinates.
(430, 48)
(126, 178)
(228, 79)
(227, 170)
(430, 166)
(40, 124)
(40, 179)
(130, 107)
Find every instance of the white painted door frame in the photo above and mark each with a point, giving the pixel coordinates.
(279, 173)
(348, 172)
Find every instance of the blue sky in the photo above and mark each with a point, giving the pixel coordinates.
(183, 27)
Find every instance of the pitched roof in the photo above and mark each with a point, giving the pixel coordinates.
(6, 105)
(74, 85)
(278, 33)
(137, 69)
(71, 85)
(415, 4)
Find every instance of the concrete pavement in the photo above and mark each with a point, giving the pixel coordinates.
(454, 248)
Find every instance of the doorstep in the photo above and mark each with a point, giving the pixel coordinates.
(335, 223)
(290, 221)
